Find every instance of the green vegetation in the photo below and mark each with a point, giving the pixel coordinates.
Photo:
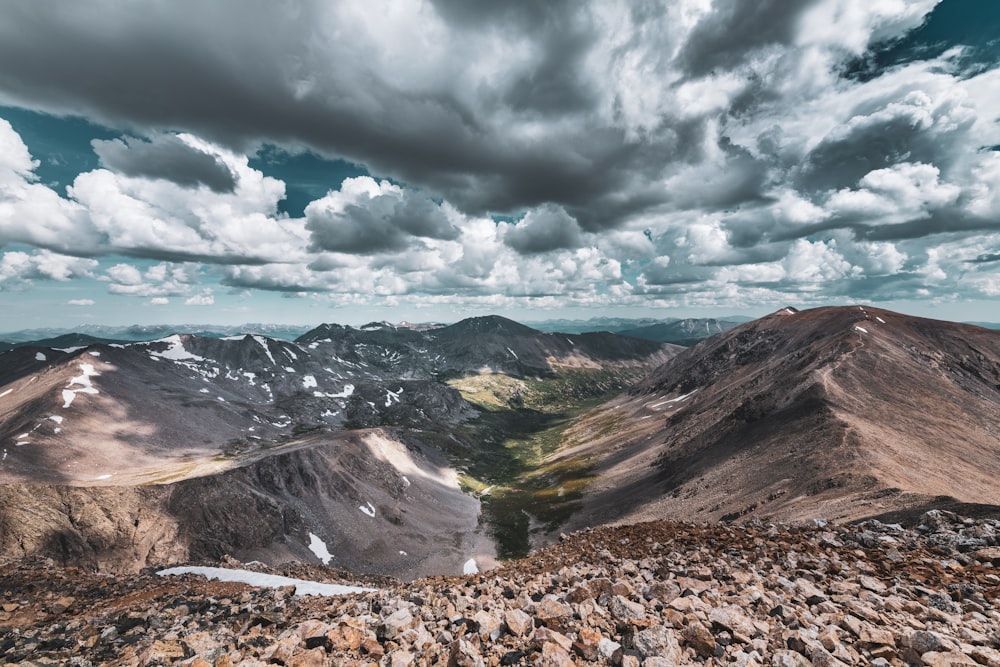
(512, 466)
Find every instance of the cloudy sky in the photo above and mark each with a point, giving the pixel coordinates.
(259, 161)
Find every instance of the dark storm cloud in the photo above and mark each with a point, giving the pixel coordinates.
(733, 28)
(165, 156)
(544, 230)
(274, 74)
(380, 223)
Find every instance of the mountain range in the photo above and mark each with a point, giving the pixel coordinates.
(412, 451)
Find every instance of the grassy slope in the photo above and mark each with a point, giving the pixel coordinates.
(521, 424)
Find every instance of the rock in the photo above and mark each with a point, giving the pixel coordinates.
(876, 636)
(809, 591)
(62, 604)
(550, 609)
(518, 622)
(700, 639)
(489, 625)
(312, 658)
(789, 659)
(462, 653)
(344, 638)
(607, 648)
(545, 635)
(395, 623)
(733, 619)
(923, 641)
(661, 641)
(587, 643)
(554, 655)
(949, 659)
(400, 658)
(625, 610)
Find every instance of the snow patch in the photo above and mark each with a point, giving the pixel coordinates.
(403, 553)
(263, 343)
(406, 482)
(204, 390)
(881, 321)
(175, 350)
(302, 587)
(57, 419)
(68, 395)
(318, 547)
(861, 329)
(39, 356)
(309, 381)
(368, 509)
(392, 396)
(5, 393)
(512, 353)
(94, 353)
(470, 567)
(21, 443)
(104, 476)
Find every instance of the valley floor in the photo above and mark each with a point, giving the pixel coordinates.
(647, 595)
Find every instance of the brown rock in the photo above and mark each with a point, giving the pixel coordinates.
(345, 638)
(543, 635)
(550, 609)
(312, 658)
(587, 643)
(371, 646)
(554, 655)
(950, 659)
(700, 639)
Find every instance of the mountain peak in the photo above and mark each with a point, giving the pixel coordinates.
(488, 324)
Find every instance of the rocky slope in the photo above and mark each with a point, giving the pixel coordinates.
(833, 412)
(647, 595)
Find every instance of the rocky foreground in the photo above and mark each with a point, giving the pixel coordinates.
(648, 595)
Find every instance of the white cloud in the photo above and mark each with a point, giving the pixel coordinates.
(204, 299)
(80, 302)
(159, 301)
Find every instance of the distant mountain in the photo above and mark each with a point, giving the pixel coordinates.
(137, 332)
(250, 445)
(837, 413)
(612, 324)
(685, 332)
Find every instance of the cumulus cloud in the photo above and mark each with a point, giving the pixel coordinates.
(367, 217)
(19, 269)
(206, 298)
(160, 280)
(80, 302)
(165, 156)
(544, 229)
(658, 152)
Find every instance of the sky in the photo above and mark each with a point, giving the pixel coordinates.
(349, 161)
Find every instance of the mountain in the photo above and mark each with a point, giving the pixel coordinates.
(612, 324)
(686, 332)
(837, 413)
(125, 454)
(138, 332)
